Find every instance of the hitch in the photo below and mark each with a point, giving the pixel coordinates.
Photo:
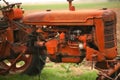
(111, 73)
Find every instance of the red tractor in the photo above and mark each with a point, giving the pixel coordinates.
(64, 36)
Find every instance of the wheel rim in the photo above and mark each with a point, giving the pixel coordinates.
(21, 65)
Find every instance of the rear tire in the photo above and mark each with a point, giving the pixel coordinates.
(31, 63)
(38, 61)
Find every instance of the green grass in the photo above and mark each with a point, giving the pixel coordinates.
(55, 74)
(49, 75)
(50, 72)
(78, 6)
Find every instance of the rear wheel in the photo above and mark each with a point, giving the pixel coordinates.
(30, 64)
(37, 63)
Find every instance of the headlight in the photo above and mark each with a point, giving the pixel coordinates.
(81, 46)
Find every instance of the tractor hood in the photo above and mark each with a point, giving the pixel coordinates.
(63, 17)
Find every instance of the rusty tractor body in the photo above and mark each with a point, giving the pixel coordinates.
(64, 36)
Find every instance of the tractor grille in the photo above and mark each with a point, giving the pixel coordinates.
(109, 31)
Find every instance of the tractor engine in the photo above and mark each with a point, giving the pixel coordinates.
(69, 36)
(68, 43)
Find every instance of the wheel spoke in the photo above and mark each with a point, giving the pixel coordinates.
(27, 63)
(21, 64)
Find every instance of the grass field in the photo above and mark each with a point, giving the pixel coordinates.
(57, 72)
(51, 75)
(78, 6)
